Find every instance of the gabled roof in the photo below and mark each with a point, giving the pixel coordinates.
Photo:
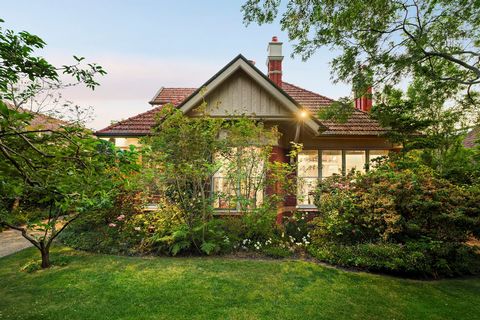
(241, 63)
(359, 123)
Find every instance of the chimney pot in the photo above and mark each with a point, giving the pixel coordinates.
(274, 39)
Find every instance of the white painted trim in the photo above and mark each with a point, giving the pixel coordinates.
(155, 96)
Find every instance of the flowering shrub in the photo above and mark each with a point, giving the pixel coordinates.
(411, 211)
(297, 227)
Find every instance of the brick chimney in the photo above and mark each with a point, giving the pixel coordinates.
(364, 102)
(274, 61)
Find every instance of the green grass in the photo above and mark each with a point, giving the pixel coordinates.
(109, 287)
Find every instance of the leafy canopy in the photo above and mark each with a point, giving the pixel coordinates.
(49, 174)
(438, 39)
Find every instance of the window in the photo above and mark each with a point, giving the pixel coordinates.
(355, 159)
(308, 176)
(331, 162)
(239, 179)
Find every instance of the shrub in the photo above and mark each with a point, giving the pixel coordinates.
(297, 227)
(416, 259)
(277, 252)
(397, 220)
(173, 237)
(107, 231)
(259, 224)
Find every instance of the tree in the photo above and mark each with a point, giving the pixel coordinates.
(390, 39)
(58, 176)
(186, 155)
(425, 118)
(56, 172)
(180, 151)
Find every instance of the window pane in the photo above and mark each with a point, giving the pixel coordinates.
(375, 154)
(305, 189)
(355, 160)
(308, 163)
(331, 162)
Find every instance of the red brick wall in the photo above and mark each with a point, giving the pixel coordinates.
(280, 154)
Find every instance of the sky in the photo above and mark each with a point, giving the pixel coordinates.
(144, 45)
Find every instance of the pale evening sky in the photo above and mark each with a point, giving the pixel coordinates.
(144, 45)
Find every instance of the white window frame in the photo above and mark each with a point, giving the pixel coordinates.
(320, 166)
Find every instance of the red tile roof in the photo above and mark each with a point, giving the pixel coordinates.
(308, 99)
(40, 121)
(141, 124)
(171, 95)
(359, 122)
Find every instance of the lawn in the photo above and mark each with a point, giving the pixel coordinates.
(109, 287)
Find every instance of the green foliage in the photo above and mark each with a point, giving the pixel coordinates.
(297, 227)
(18, 62)
(36, 265)
(435, 39)
(277, 252)
(48, 176)
(31, 266)
(417, 259)
(238, 149)
(179, 183)
(339, 111)
(410, 211)
(259, 224)
(457, 164)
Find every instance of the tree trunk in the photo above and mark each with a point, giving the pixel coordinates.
(45, 257)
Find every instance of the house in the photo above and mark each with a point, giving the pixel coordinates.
(241, 88)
